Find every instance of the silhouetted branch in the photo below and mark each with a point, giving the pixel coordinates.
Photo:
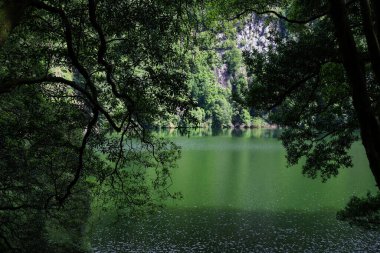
(102, 47)
(15, 208)
(280, 16)
(81, 151)
(69, 42)
(290, 90)
(102, 50)
(283, 17)
(12, 84)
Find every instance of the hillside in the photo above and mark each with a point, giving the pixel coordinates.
(217, 74)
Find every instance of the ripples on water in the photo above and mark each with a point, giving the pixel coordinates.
(213, 230)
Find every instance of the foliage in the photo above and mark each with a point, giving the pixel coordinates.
(38, 156)
(320, 81)
(234, 60)
(241, 116)
(302, 83)
(80, 86)
(198, 114)
(216, 77)
(364, 212)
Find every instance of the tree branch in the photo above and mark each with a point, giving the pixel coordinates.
(280, 16)
(290, 90)
(15, 208)
(283, 17)
(69, 42)
(8, 86)
(81, 151)
(101, 54)
(102, 46)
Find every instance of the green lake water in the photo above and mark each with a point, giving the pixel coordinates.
(239, 196)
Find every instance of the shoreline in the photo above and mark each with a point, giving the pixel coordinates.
(237, 127)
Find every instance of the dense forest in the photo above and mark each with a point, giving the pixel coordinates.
(216, 74)
(84, 83)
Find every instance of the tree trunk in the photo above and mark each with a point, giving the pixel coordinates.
(354, 66)
(371, 36)
(375, 5)
(10, 15)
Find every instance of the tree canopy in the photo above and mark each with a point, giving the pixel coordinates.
(82, 83)
(319, 80)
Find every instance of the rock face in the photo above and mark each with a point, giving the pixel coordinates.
(256, 33)
(253, 33)
(222, 75)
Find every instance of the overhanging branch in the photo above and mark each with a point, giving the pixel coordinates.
(323, 13)
(291, 89)
(102, 50)
(280, 16)
(10, 85)
(69, 42)
(81, 151)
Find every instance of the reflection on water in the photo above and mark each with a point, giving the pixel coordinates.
(239, 196)
(204, 132)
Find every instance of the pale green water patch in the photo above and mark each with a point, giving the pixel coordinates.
(250, 173)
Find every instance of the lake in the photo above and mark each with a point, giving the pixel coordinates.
(239, 196)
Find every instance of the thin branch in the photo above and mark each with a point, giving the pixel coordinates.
(81, 151)
(15, 208)
(283, 17)
(69, 42)
(102, 50)
(121, 144)
(8, 86)
(325, 135)
(280, 16)
(290, 90)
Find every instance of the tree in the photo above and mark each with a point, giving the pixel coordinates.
(38, 143)
(320, 81)
(80, 84)
(356, 73)
(10, 14)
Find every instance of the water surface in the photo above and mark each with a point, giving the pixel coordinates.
(239, 196)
